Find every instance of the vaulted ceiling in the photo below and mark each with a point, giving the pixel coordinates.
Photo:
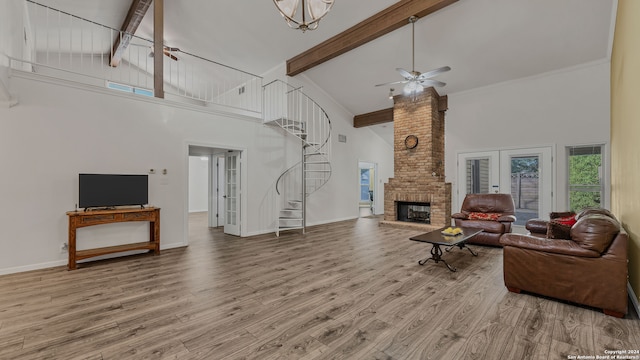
(483, 41)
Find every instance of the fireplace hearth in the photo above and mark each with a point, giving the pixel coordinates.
(417, 212)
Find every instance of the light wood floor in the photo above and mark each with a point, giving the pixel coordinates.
(351, 290)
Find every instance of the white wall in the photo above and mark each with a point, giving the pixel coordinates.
(339, 199)
(343, 197)
(198, 184)
(61, 129)
(561, 108)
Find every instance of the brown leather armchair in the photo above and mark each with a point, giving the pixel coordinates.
(590, 268)
(499, 205)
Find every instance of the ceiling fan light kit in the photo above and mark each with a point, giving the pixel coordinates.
(415, 81)
(314, 9)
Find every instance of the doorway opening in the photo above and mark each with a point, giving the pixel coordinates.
(213, 190)
(524, 173)
(367, 198)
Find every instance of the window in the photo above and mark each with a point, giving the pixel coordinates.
(129, 89)
(585, 164)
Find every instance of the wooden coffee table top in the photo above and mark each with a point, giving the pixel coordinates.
(436, 237)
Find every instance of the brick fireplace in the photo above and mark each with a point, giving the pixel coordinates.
(419, 171)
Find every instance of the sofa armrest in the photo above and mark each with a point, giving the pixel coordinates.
(459, 216)
(618, 250)
(537, 226)
(507, 218)
(555, 246)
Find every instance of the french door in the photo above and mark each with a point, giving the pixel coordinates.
(526, 174)
(216, 190)
(232, 193)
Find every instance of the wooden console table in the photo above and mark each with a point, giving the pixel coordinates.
(78, 219)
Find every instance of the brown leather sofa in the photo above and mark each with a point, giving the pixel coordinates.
(501, 204)
(590, 268)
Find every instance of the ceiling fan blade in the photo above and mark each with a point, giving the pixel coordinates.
(170, 55)
(433, 73)
(431, 82)
(394, 82)
(405, 74)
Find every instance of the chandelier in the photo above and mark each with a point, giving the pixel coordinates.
(310, 13)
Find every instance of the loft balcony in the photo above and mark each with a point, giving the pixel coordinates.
(59, 45)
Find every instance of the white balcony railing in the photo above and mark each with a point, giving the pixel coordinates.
(69, 47)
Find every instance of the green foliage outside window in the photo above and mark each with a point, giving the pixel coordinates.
(524, 165)
(584, 181)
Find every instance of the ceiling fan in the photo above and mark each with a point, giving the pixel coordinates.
(416, 81)
(166, 50)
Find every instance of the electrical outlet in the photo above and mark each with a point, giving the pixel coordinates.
(64, 247)
(152, 171)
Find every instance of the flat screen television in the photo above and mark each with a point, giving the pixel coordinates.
(109, 190)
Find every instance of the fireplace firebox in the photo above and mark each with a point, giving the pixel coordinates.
(418, 212)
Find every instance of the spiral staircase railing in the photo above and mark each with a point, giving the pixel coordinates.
(300, 116)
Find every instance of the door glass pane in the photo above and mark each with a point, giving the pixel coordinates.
(478, 176)
(231, 190)
(525, 187)
(585, 169)
(364, 184)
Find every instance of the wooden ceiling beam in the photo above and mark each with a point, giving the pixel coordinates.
(443, 103)
(373, 118)
(134, 17)
(386, 115)
(369, 29)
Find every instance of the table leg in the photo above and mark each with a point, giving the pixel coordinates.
(436, 256)
(468, 248)
(71, 265)
(463, 245)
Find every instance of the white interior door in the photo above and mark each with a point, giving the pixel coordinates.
(232, 193)
(220, 188)
(211, 201)
(478, 173)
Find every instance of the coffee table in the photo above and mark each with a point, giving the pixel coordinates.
(436, 238)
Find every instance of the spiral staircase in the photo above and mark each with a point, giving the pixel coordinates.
(299, 116)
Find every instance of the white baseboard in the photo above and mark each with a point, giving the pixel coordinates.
(634, 298)
(19, 269)
(333, 221)
(50, 264)
(172, 246)
(262, 232)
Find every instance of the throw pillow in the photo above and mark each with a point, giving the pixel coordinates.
(556, 214)
(568, 220)
(556, 230)
(484, 216)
